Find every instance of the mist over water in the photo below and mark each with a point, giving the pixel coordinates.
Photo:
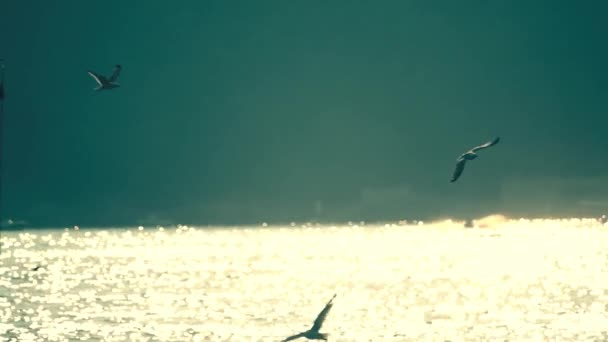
(516, 280)
(235, 112)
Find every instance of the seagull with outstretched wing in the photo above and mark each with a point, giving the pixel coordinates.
(470, 155)
(313, 333)
(105, 83)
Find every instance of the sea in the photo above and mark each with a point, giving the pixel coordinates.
(501, 280)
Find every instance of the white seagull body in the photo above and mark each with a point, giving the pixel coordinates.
(106, 83)
(470, 155)
(313, 333)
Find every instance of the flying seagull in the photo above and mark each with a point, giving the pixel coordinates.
(107, 83)
(470, 155)
(313, 333)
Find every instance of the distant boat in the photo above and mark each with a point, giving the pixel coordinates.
(154, 220)
(13, 224)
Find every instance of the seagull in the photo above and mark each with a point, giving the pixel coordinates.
(313, 333)
(470, 155)
(107, 83)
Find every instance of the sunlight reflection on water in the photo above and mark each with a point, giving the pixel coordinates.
(519, 280)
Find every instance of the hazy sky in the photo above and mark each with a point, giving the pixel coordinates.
(253, 110)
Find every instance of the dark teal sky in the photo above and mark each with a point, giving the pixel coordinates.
(236, 111)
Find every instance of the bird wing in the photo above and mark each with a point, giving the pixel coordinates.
(115, 73)
(322, 315)
(486, 145)
(459, 168)
(98, 78)
(294, 337)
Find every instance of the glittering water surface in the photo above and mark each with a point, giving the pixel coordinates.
(516, 280)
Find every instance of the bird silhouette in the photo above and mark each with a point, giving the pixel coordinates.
(105, 83)
(470, 155)
(313, 333)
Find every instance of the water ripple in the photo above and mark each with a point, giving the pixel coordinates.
(524, 280)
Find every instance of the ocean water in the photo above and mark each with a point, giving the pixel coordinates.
(512, 280)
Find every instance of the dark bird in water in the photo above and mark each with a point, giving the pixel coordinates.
(470, 155)
(107, 83)
(313, 333)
